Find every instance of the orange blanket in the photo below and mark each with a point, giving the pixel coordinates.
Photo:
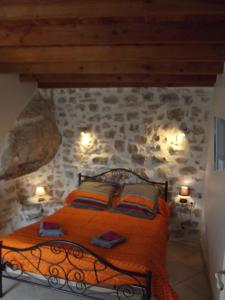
(145, 249)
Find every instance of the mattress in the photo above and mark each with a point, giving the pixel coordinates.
(144, 250)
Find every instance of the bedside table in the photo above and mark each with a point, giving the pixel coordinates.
(34, 211)
(185, 212)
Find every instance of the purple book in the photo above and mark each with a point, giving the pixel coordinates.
(108, 239)
(49, 225)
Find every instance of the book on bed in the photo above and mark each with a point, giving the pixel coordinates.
(108, 239)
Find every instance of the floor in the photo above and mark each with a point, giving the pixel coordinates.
(185, 266)
(187, 271)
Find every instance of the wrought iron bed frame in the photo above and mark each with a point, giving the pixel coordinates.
(73, 278)
(118, 175)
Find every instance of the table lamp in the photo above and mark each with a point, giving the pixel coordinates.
(40, 192)
(184, 192)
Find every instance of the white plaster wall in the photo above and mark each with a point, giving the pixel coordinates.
(14, 95)
(213, 235)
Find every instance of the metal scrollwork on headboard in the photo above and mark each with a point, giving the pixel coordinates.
(122, 176)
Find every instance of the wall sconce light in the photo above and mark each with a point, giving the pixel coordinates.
(184, 192)
(175, 137)
(86, 139)
(180, 138)
(40, 192)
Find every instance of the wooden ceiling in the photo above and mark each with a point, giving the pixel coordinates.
(91, 43)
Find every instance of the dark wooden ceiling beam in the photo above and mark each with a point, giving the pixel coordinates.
(48, 85)
(123, 43)
(26, 9)
(112, 53)
(129, 67)
(108, 32)
(122, 80)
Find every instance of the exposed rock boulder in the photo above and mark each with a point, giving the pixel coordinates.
(32, 143)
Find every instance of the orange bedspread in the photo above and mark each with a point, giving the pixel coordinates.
(145, 249)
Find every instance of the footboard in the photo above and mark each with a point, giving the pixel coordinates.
(71, 268)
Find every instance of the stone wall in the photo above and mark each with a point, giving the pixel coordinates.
(158, 132)
(9, 206)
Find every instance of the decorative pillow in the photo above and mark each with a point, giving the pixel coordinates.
(140, 200)
(93, 195)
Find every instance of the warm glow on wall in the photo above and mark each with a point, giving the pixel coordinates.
(176, 137)
(86, 139)
(173, 139)
(180, 138)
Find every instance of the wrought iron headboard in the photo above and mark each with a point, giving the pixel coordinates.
(122, 175)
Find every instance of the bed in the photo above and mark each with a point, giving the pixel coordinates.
(135, 269)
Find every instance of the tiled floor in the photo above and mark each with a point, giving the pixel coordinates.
(185, 266)
(187, 271)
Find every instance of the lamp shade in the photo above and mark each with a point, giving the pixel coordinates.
(184, 191)
(40, 191)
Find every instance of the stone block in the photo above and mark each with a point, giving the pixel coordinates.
(189, 170)
(195, 111)
(197, 130)
(99, 160)
(119, 117)
(68, 133)
(110, 134)
(171, 98)
(148, 120)
(148, 96)
(134, 128)
(181, 160)
(158, 159)
(138, 159)
(117, 160)
(132, 116)
(188, 99)
(154, 107)
(140, 139)
(93, 107)
(176, 114)
(122, 129)
(110, 100)
(131, 99)
(197, 148)
(119, 145)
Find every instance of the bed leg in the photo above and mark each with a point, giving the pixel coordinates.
(148, 286)
(1, 269)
